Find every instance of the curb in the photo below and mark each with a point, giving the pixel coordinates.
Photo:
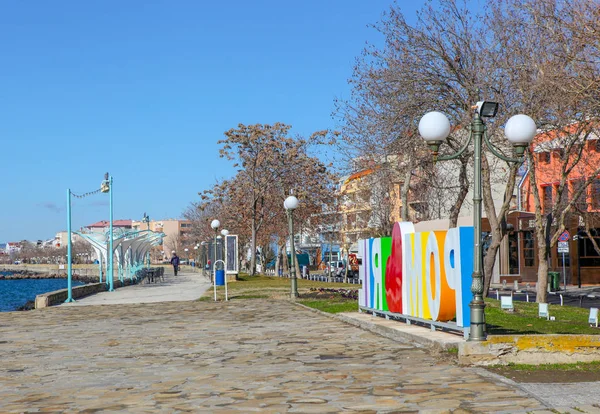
(396, 331)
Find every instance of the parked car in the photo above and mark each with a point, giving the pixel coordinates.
(337, 267)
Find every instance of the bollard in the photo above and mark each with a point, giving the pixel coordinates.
(516, 285)
(497, 294)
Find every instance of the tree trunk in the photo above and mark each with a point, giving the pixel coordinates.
(493, 219)
(253, 248)
(286, 263)
(404, 195)
(464, 190)
(542, 281)
(296, 265)
(278, 260)
(540, 232)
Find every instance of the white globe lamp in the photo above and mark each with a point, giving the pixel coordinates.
(520, 131)
(434, 127)
(290, 203)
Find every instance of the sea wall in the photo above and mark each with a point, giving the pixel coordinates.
(59, 296)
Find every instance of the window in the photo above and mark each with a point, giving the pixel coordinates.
(596, 194)
(547, 194)
(588, 255)
(528, 248)
(513, 254)
(544, 157)
(581, 203)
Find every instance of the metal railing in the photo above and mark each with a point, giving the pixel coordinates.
(318, 278)
(409, 320)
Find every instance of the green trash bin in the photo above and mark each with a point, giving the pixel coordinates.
(554, 281)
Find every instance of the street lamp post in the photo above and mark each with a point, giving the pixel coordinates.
(69, 251)
(434, 127)
(106, 187)
(146, 219)
(290, 204)
(215, 226)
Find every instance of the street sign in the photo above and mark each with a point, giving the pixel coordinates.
(565, 236)
(563, 247)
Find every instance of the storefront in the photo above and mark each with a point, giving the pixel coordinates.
(519, 258)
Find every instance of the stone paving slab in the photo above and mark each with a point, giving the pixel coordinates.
(238, 356)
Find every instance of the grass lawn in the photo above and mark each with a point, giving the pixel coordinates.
(311, 293)
(550, 373)
(524, 320)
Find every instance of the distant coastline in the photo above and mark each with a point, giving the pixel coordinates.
(14, 274)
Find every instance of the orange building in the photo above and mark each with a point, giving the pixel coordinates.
(582, 263)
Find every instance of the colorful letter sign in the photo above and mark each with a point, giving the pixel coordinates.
(426, 275)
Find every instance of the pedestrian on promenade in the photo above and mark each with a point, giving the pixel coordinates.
(175, 262)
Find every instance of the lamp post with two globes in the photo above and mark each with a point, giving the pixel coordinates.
(520, 129)
(290, 204)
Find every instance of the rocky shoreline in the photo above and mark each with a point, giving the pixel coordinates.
(27, 274)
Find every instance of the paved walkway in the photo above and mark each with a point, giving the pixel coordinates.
(247, 355)
(237, 356)
(183, 287)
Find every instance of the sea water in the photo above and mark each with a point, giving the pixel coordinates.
(17, 292)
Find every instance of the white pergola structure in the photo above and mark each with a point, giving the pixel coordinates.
(130, 247)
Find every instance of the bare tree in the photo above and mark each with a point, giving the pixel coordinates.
(270, 165)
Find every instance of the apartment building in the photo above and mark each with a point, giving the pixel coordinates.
(177, 234)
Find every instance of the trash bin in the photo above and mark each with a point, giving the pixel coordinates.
(554, 281)
(220, 277)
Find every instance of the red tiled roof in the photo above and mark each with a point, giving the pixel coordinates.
(106, 223)
(359, 174)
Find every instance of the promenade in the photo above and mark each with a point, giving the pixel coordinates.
(186, 286)
(254, 355)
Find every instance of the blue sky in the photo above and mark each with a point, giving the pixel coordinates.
(145, 89)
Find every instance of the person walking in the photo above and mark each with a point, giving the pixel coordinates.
(175, 262)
